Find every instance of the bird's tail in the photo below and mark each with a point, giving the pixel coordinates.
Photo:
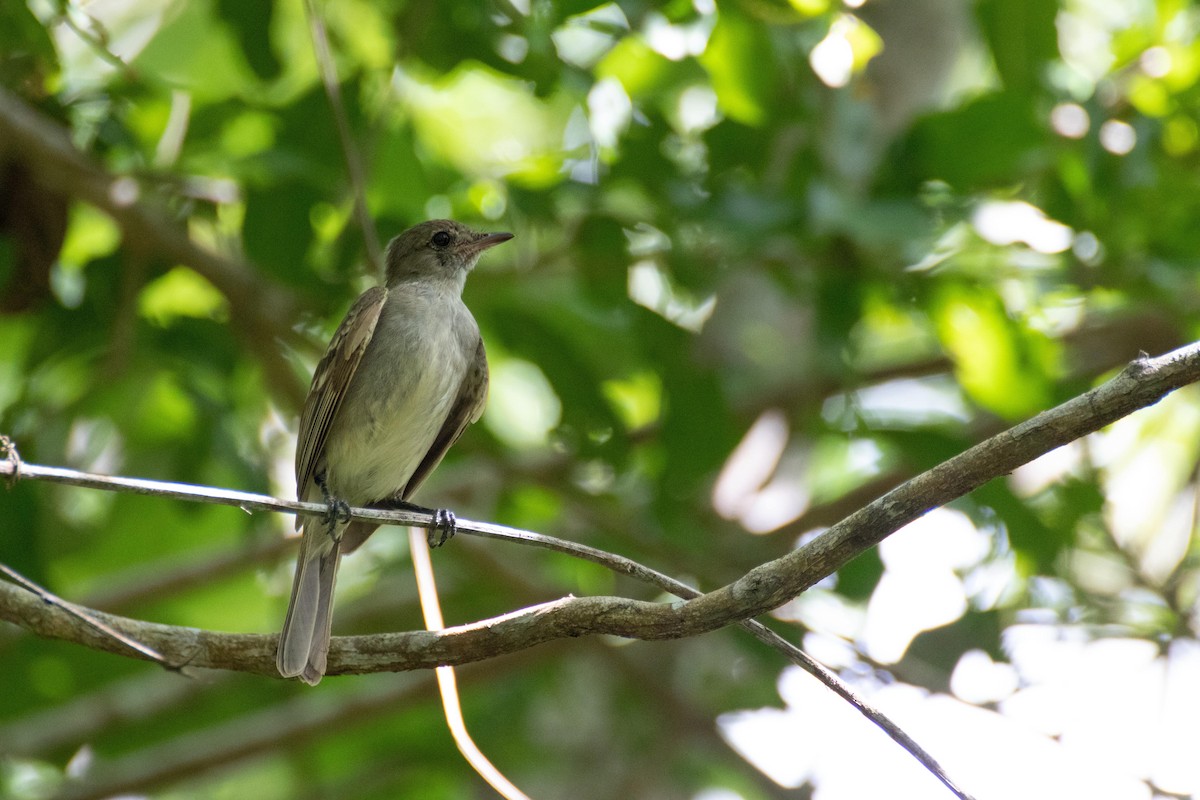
(304, 642)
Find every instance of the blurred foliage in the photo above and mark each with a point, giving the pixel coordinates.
(887, 231)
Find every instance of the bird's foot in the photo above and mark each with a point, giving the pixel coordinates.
(443, 529)
(338, 510)
(444, 524)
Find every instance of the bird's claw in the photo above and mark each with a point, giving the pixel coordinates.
(338, 511)
(443, 529)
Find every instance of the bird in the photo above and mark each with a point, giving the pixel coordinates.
(405, 374)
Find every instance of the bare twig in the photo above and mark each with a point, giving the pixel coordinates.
(247, 501)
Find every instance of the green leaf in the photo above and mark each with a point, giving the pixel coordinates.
(1023, 39)
(739, 61)
(986, 142)
(251, 23)
(27, 54)
(194, 52)
(1001, 367)
(487, 124)
(181, 293)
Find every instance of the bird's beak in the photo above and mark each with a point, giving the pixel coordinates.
(485, 241)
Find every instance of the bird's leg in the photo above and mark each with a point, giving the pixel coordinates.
(444, 524)
(338, 509)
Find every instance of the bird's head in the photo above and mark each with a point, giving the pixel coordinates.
(437, 248)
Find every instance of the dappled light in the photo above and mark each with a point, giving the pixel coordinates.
(774, 264)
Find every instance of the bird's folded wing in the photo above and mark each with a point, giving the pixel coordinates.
(330, 382)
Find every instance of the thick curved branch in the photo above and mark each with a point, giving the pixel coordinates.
(262, 312)
(1142, 383)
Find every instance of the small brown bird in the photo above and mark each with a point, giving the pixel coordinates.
(404, 376)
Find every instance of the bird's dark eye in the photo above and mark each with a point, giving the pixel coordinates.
(442, 238)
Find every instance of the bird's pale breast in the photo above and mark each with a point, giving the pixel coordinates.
(417, 359)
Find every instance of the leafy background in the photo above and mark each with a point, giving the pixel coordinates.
(772, 258)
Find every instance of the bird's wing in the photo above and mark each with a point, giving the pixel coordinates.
(330, 382)
(467, 408)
